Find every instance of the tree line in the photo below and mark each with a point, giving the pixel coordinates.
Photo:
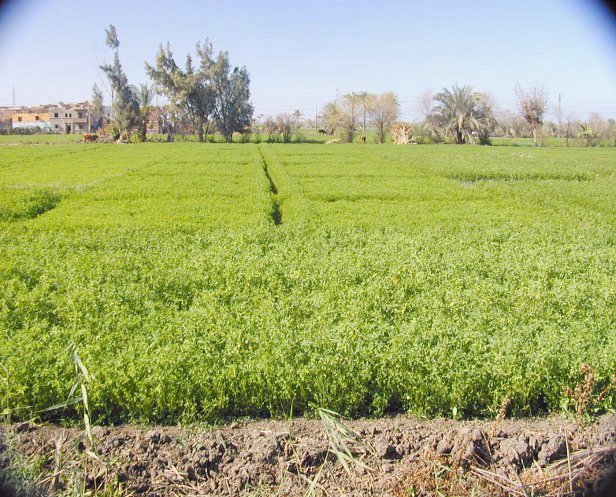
(461, 115)
(206, 94)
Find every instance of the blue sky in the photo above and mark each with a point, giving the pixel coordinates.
(302, 54)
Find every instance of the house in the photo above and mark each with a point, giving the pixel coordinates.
(6, 120)
(70, 119)
(155, 119)
(33, 121)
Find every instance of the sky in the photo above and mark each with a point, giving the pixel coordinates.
(301, 54)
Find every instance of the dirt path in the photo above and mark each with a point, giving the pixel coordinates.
(396, 456)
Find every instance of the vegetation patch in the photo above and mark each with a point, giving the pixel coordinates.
(418, 296)
(26, 203)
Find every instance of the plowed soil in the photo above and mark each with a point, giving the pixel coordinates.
(394, 456)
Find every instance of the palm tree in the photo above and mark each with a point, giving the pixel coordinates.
(145, 101)
(460, 111)
(586, 132)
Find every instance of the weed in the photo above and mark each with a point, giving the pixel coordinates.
(584, 397)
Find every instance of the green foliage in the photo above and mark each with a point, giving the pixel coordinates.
(232, 108)
(462, 111)
(532, 104)
(416, 279)
(213, 91)
(145, 95)
(26, 203)
(125, 101)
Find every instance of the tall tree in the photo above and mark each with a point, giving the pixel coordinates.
(125, 103)
(231, 88)
(533, 104)
(187, 90)
(384, 111)
(166, 76)
(111, 39)
(196, 90)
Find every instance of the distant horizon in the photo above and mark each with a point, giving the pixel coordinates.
(303, 56)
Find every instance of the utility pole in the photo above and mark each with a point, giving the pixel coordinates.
(560, 114)
(13, 95)
(316, 120)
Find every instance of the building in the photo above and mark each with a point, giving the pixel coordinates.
(70, 119)
(155, 119)
(6, 120)
(31, 121)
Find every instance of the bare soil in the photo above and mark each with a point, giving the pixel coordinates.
(393, 456)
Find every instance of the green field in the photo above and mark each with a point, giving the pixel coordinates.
(205, 281)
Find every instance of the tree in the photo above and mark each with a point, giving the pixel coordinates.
(211, 91)
(558, 111)
(297, 116)
(284, 126)
(485, 118)
(340, 116)
(461, 112)
(270, 128)
(112, 37)
(231, 89)
(611, 130)
(349, 106)
(511, 124)
(587, 134)
(384, 111)
(145, 100)
(96, 110)
(331, 117)
(188, 91)
(532, 104)
(125, 105)
(366, 100)
(429, 129)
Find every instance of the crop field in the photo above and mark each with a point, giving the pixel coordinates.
(200, 282)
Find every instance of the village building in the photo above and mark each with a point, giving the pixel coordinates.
(31, 121)
(69, 120)
(6, 120)
(155, 119)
